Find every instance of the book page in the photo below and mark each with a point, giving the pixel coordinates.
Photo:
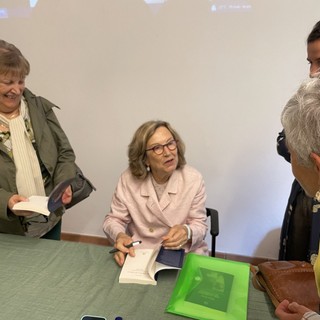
(136, 269)
(35, 204)
(160, 266)
(42, 204)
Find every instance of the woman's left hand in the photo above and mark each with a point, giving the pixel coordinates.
(67, 196)
(176, 237)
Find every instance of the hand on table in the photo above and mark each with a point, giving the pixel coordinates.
(121, 241)
(290, 311)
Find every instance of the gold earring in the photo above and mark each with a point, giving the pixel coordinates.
(317, 196)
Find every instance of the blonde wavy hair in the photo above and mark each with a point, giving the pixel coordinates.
(137, 147)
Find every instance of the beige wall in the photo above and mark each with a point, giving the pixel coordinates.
(221, 79)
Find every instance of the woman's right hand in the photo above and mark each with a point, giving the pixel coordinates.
(15, 199)
(121, 241)
(290, 311)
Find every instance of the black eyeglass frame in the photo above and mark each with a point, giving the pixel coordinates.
(171, 145)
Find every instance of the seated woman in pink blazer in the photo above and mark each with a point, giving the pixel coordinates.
(159, 199)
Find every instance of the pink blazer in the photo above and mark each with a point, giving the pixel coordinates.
(135, 209)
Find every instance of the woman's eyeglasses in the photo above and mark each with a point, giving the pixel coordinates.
(158, 149)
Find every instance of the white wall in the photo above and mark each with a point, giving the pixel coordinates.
(220, 78)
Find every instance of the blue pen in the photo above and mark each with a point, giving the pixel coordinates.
(132, 244)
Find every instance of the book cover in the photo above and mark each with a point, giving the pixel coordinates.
(211, 288)
(172, 258)
(42, 204)
(143, 268)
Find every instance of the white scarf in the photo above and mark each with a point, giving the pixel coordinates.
(28, 173)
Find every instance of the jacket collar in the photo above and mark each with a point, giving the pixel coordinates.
(35, 114)
(147, 190)
(30, 99)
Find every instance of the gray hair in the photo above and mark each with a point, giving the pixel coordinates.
(301, 121)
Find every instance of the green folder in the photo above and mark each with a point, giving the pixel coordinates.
(211, 288)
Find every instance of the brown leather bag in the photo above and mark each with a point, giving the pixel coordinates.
(291, 280)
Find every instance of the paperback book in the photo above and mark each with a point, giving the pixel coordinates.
(42, 204)
(143, 268)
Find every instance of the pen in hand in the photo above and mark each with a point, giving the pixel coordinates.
(132, 244)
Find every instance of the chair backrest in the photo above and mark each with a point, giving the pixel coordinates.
(214, 228)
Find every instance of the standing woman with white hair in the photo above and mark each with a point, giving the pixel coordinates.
(301, 122)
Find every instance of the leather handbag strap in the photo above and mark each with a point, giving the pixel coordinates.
(255, 282)
(259, 284)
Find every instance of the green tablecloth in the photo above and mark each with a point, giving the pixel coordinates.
(59, 280)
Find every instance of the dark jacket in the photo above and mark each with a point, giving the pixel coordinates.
(299, 237)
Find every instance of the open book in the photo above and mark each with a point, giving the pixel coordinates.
(142, 268)
(42, 204)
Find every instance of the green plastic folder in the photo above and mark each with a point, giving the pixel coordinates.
(211, 288)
